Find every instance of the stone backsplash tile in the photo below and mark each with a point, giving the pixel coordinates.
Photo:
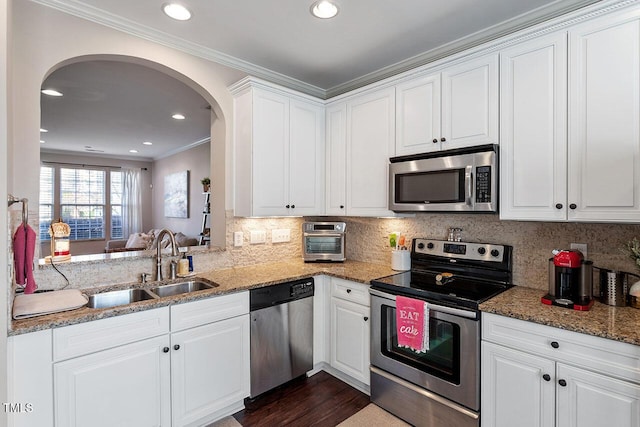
(532, 242)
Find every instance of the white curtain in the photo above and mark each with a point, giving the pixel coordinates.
(131, 201)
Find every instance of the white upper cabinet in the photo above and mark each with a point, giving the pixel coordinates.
(418, 115)
(360, 140)
(279, 153)
(452, 109)
(336, 181)
(604, 117)
(533, 130)
(470, 103)
(369, 142)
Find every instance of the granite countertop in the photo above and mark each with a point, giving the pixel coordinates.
(616, 323)
(226, 280)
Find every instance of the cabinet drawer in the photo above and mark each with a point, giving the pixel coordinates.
(601, 355)
(76, 340)
(350, 291)
(208, 310)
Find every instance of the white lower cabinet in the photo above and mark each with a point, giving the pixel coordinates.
(350, 329)
(540, 376)
(123, 386)
(208, 369)
(194, 371)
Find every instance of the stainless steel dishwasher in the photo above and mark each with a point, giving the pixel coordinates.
(281, 333)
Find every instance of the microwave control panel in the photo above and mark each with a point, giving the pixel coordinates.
(483, 184)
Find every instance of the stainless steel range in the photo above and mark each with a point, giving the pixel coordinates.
(439, 386)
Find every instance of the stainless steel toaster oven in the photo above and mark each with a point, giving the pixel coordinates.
(323, 241)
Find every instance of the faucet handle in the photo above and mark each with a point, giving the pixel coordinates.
(144, 277)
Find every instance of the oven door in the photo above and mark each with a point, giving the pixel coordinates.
(323, 246)
(449, 368)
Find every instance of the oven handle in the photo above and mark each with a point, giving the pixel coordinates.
(426, 393)
(434, 307)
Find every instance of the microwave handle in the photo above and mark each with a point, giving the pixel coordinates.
(468, 177)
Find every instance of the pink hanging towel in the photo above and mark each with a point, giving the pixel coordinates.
(412, 324)
(24, 245)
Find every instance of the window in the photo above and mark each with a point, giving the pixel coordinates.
(86, 199)
(46, 201)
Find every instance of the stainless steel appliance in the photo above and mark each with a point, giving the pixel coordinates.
(570, 281)
(440, 387)
(461, 180)
(323, 241)
(281, 333)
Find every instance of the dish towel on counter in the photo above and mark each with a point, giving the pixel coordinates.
(412, 324)
(25, 306)
(24, 245)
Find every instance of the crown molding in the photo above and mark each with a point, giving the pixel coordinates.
(99, 16)
(538, 21)
(466, 43)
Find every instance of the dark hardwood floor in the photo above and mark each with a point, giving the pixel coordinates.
(319, 401)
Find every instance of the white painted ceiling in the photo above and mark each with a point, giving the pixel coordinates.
(282, 42)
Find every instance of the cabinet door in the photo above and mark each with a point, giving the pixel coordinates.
(209, 369)
(514, 389)
(418, 115)
(123, 386)
(533, 101)
(604, 112)
(370, 143)
(336, 181)
(306, 159)
(270, 153)
(593, 400)
(350, 339)
(470, 103)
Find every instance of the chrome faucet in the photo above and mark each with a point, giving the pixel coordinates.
(174, 250)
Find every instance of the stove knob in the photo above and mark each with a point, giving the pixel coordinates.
(482, 251)
(429, 245)
(495, 252)
(420, 245)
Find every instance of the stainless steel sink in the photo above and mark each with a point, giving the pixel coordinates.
(180, 288)
(116, 298)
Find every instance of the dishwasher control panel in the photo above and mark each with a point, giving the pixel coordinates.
(302, 290)
(282, 293)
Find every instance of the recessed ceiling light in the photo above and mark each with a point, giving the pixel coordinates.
(178, 116)
(133, 151)
(324, 9)
(43, 130)
(51, 92)
(147, 143)
(42, 141)
(176, 11)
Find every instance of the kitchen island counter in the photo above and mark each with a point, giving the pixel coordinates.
(615, 323)
(226, 280)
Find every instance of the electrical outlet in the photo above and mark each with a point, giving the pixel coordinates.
(582, 247)
(258, 236)
(280, 235)
(238, 238)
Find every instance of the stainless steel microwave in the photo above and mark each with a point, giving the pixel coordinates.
(461, 180)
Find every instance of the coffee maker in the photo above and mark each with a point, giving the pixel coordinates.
(570, 281)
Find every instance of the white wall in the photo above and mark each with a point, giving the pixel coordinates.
(197, 161)
(4, 264)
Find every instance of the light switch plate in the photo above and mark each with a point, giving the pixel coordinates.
(258, 236)
(238, 238)
(280, 235)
